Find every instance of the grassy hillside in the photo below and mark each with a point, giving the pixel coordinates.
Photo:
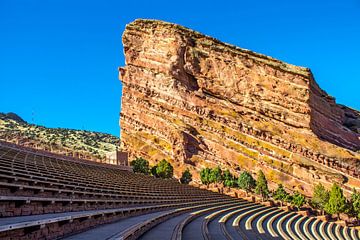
(90, 144)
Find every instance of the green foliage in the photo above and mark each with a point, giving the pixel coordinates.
(288, 198)
(153, 171)
(355, 203)
(298, 200)
(186, 177)
(140, 165)
(246, 181)
(205, 176)
(230, 183)
(216, 175)
(227, 175)
(229, 179)
(261, 185)
(337, 201)
(320, 197)
(164, 169)
(281, 194)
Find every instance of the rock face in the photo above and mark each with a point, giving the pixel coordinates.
(197, 102)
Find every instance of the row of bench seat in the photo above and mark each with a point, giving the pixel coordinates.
(236, 219)
(47, 197)
(246, 220)
(44, 197)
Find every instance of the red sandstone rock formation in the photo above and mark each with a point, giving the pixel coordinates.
(196, 101)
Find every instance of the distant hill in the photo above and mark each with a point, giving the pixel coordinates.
(61, 140)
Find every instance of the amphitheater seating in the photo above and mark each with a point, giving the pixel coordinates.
(48, 197)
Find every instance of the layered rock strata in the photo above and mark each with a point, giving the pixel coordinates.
(197, 102)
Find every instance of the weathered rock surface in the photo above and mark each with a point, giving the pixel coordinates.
(198, 102)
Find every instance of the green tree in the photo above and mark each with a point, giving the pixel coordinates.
(229, 179)
(280, 194)
(337, 201)
(246, 182)
(355, 202)
(320, 197)
(298, 200)
(164, 169)
(261, 185)
(186, 177)
(205, 176)
(216, 175)
(140, 165)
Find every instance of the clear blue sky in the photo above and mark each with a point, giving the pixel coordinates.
(59, 58)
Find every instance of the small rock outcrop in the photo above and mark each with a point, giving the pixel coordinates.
(197, 102)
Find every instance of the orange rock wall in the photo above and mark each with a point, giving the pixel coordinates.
(199, 102)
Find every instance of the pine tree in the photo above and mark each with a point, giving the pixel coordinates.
(337, 201)
(246, 182)
(186, 177)
(320, 197)
(261, 185)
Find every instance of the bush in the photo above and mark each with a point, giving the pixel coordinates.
(355, 202)
(164, 169)
(280, 194)
(229, 179)
(246, 181)
(298, 200)
(186, 177)
(320, 197)
(140, 165)
(153, 171)
(205, 176)
(216, 175)
(337, 201)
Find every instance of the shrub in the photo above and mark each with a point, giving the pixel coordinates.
(205, 176)
(153, 171)
(186, 177)
(281, 194)
(246, 181)
(140, 165)
(337, 201)
(216, 175)
(164, 169)
(298, 200)
(320, 197)
(229, 179)
(261, 185)
(355, 203)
